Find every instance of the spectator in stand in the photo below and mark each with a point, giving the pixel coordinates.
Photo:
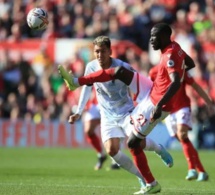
(16, 34)
(114, 31)
(11, 77)
(22, 99)
(79, 28)
(211, 72)
(77, 64)
(65, 22)
(10, 103)
(24, 67)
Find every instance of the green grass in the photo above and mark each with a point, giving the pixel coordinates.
(43, 171)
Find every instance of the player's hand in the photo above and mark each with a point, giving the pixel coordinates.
(73, 118)
(156, 113)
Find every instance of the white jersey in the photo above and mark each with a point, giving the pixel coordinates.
(112, 96)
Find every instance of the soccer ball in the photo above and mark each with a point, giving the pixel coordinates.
(37, 19)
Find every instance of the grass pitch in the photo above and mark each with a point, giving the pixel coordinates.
(62, 171)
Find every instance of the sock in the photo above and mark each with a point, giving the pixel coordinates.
(190, 154)
(113, 162)
(99, 76)
(126, 163)
(75, 80)
(95, 142)
(152, 146)
(141, 162)
(199, 165)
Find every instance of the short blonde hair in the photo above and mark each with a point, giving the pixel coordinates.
(102, 40)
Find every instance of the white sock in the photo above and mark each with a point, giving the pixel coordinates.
(113, 161)
(126, 163)
(75, 80)
(152, 146)
(100, 155)
(152, 184)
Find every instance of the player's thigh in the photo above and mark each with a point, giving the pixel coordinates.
(126, 124)
(91, 125)
(111, 129)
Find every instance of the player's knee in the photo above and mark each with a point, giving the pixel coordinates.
(89, 131)
(133, 142)
(112, 151)
(182, 135)
(132, 145)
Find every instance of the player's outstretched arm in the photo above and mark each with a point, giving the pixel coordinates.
(204, 96)
(121, 73)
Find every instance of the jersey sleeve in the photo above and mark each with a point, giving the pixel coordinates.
(84, 97)
(85, 93)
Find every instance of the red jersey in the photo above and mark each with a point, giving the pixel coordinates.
(153, 72)
(172, 60)
(185, 100)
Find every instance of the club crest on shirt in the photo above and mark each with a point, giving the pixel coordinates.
(170, 63)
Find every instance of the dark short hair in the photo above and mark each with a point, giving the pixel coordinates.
(163, 28)
(102, 40)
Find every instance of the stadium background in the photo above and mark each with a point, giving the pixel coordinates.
(34, 103)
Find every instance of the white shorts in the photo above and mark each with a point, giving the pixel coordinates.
(183, 116)
(112, 128)
(92, 113)
(141, 114)
(141, 118)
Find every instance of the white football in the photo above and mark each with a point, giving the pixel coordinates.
(37, 19)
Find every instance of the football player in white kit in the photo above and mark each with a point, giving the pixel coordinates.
(91, 119)
(115, 107)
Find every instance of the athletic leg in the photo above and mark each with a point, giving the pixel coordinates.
(91, 122)
(140, 160)
(191, 155)
(183, 125)
(112, 147)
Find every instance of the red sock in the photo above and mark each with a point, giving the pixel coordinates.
(199, 165)
(99, 76)
(191, 156)
(95, 142)
(141, 162)
(189, 153)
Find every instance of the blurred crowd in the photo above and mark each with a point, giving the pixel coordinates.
(28, 92)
